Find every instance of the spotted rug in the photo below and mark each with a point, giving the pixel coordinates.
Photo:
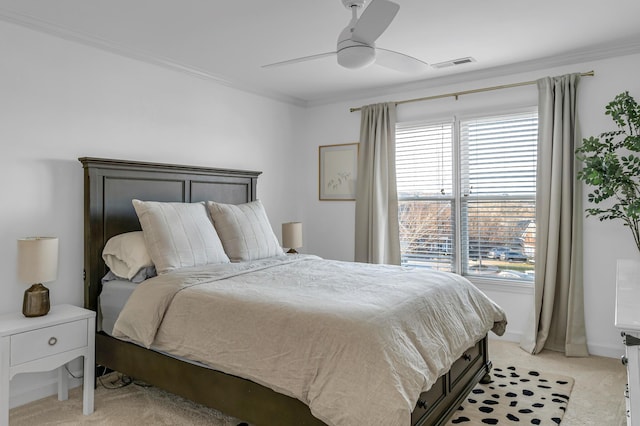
(516, 396)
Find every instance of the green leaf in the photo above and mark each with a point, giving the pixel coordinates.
(611, 165)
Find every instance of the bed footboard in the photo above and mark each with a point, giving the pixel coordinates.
(438, 404)
(232, 395)
(258, 404)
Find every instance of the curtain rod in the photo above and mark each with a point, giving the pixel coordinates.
(468, 92)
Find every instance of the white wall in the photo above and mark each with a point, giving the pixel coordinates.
(329, 225)
(61, 100)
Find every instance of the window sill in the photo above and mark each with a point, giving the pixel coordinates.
(504, 286)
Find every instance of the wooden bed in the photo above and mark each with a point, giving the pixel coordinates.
(109, 187)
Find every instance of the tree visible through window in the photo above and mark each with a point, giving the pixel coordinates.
(467, 195)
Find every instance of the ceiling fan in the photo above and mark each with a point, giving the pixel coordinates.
(356, 44)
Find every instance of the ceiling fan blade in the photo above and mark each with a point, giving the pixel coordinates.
(374, 20)
(400, 62)
(297, 60)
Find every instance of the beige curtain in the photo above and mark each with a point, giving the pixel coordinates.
(377, 229)
(558, 315)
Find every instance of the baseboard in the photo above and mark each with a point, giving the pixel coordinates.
(40, 386)
(508, 336)
(606, 351)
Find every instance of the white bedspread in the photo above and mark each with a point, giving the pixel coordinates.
(357, 343)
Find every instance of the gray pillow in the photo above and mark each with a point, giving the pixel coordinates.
(244, 230)
(179, 235)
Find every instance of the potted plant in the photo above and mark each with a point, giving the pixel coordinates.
(611, 165)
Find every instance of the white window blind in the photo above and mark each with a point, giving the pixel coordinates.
(424, 172)
(467, 198)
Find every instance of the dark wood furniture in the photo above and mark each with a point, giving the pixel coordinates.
(109, 187)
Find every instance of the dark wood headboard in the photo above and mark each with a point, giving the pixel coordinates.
(110, 185)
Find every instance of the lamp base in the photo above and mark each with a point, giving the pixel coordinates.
(292, 251)
(36, 301)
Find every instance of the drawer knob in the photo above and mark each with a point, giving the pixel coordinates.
(52, 341)
(422, 404)
(624, 360)
(466, 357)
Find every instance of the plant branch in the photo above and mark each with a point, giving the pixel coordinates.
(611, 165)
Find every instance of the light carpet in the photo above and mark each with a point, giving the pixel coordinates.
(118, 405)
(511, 395)
(516, 396)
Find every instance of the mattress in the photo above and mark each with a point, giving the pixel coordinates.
(111, 301)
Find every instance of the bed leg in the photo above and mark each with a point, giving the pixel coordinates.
(486, 379)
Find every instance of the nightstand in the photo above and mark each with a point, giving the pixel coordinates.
(45, 343)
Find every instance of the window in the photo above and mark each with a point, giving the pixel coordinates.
(467, 195)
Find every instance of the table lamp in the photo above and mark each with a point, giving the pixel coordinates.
(292, 236)
(37, 264)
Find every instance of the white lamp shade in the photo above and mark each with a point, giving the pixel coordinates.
(37, 259)
(292, 235)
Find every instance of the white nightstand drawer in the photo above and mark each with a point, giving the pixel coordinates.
(48, 341)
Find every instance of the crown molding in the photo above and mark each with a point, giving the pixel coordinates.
(69, 34)
(603, 51)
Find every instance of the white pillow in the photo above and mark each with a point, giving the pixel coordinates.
(179, 235)
(245, 231)
(126, 254)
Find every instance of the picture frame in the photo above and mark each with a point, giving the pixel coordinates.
(338, 172)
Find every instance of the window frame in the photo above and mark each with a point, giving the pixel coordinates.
(513, 285)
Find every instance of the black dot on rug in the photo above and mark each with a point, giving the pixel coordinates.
(472, 401)
(527, 392)
(490, 421)
(536, 422)
(486, 409)
(511, 368)
(525, 380)
(525, 411)
(460, 420)
(538, 405)
(511, 394)
(512, 418)
(561, 395)
(490, 402)
(478, 391)
(495, 395)
(556, 420)
(513, 403)
(534, 373)
(544, 386)
(561, 382)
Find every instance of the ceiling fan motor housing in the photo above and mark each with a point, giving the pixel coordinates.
(354, 54)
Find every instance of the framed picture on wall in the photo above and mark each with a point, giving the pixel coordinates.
(338, 172)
